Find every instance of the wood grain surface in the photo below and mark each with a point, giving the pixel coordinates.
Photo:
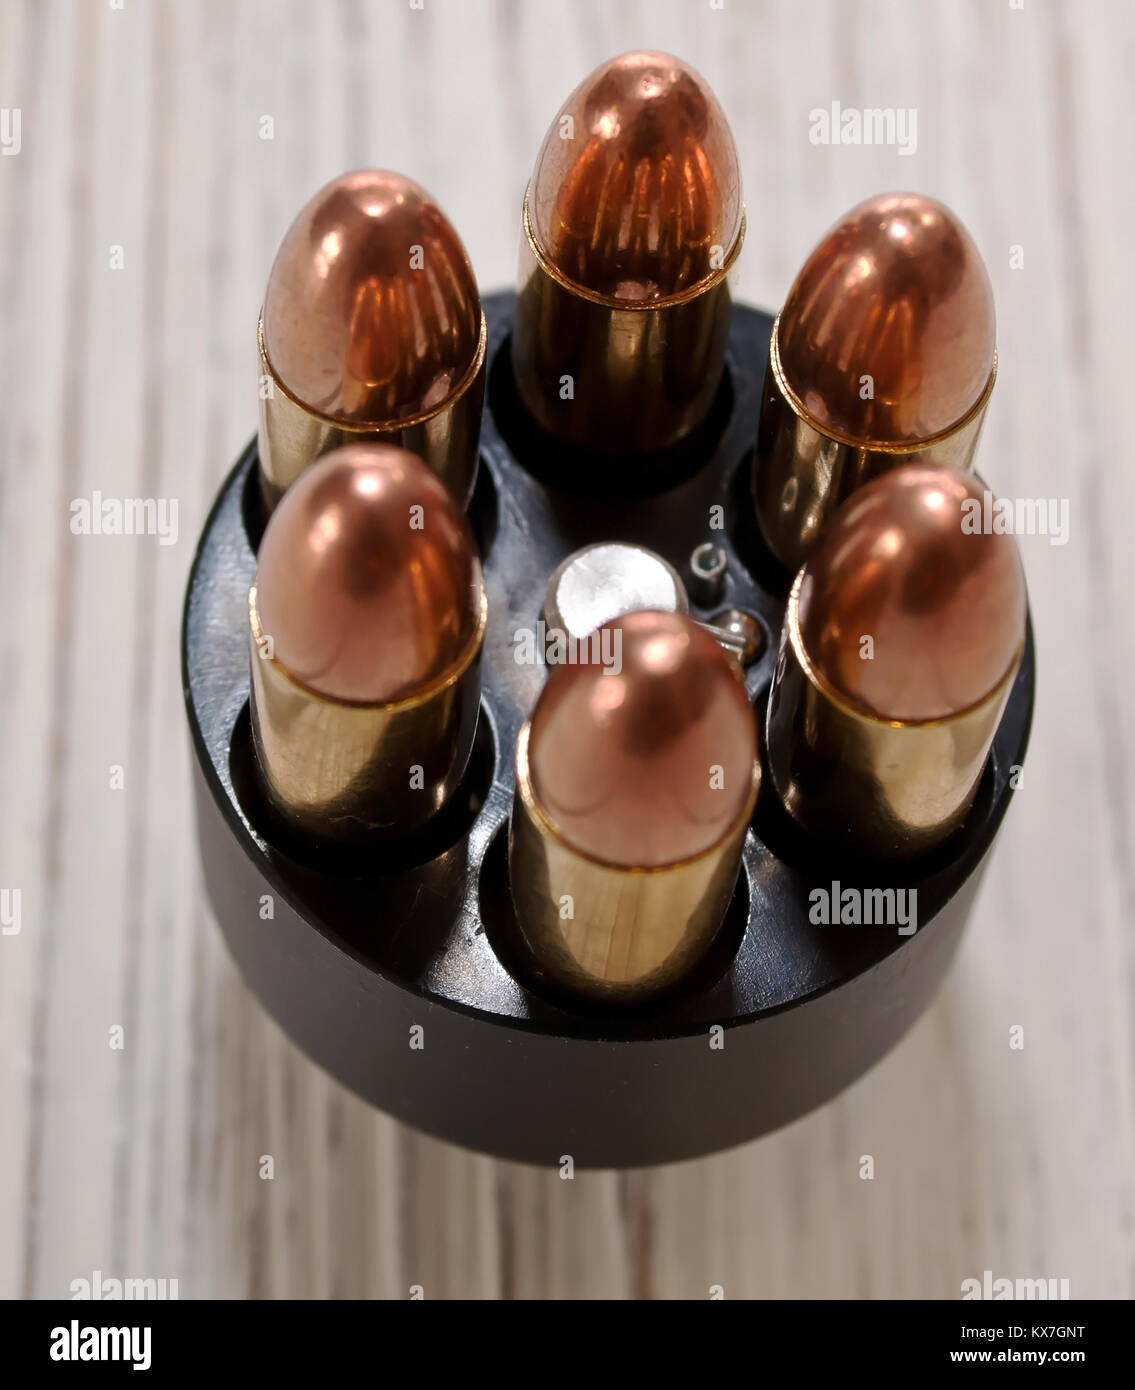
(133, 373)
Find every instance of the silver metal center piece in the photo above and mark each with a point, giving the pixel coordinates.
(606, 581)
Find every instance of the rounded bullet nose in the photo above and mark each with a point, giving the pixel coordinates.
(911, 606)
(651, 762)
(367, 581)
(888, 333)
(636, 194)
(372, 314)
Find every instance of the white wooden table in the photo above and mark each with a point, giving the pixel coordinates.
(141, 130)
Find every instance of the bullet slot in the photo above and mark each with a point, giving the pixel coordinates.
(253, 510)
(446, 833)
(825, 859)
(745, 536)
(588, 470)
(700, 990)
(484, 510)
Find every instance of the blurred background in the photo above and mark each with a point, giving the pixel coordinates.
(133, 372)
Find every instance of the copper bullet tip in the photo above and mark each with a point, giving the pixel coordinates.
(897, 292)
(942, 603)
(368, 581)
(372, 314)
(636, 194)
(651, 765)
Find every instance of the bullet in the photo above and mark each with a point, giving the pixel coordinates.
(632, 221)
(366, 620)
(883, 354)
(633, 795)
(372, 329)
(902, 637)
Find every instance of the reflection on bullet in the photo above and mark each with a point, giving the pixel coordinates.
(883, 354)
(634, 792)
(371, 329)
(902, 638)
(367, 616)
(632, 220)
